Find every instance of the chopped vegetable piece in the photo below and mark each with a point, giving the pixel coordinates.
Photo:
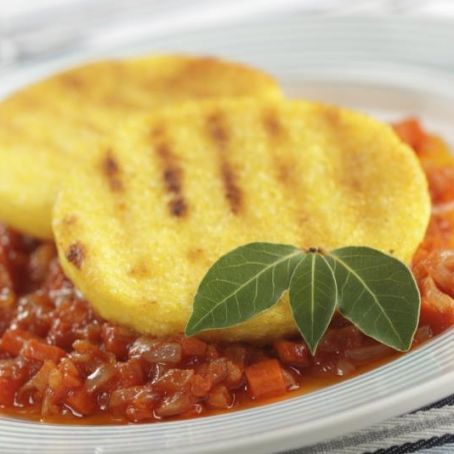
(410, 132)
(81, 402)
(8, 390)
(14, 339)
(174, 405)
(265, 379)
(193, 347)
(34, 349)
(220, 397)
(293, 353)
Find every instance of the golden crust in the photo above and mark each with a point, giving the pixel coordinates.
(159, 203)
(46, 128)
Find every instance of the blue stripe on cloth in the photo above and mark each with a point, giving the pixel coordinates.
(439, 404)
(418, 445)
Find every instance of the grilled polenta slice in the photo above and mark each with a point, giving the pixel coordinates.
(158, 204)
(46, 128)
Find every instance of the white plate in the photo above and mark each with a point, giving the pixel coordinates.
(367, 76)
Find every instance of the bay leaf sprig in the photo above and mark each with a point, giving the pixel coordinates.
(313, 297)
(373, 290)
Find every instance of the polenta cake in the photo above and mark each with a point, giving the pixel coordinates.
(54, 123)
(139, 226)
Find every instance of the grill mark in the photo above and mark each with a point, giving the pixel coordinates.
(272, 125)
(283, 170)
(112, 172)
(76, 254)
(353, 164)
(283, 166)
(172, 175)
(220, 136)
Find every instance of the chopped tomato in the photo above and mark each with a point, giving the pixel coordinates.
(70, 374)
(8, 389)
(220, 397)
(293, 353)
(130, 373)
(81, 402)
(193, 347)
(437, 308)
(234, 377)
(34, 349)
(117, 340)
(410, 132)
(441, 183)
(141, 409)
(174, 380)
(200, 385)
(175, 404)
(13, 340)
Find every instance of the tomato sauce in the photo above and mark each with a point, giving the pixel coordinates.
(60, 362)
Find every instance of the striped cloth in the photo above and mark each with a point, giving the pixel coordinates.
(429, 430)
(88, 28)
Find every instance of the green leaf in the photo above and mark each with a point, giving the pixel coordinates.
(241, 284)
(313, 297)
(378, 294)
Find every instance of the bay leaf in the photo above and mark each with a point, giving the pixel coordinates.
(313, 297)
(378, 294)
(242, 284)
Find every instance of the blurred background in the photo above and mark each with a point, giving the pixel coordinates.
(38, 29)
(289, 38)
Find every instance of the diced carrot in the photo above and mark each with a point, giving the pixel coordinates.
(14, 339)
(34, 349)
(410, 132)
(265, 379)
